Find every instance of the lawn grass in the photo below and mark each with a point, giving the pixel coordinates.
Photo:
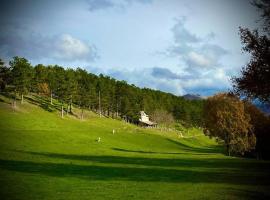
(43, 156)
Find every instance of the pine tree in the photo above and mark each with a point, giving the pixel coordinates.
(22, 74)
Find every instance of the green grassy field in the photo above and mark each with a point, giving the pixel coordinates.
(43, 156)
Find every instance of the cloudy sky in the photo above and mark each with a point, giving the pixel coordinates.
(177, 46)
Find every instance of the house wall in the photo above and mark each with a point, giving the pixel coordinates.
(144, 118)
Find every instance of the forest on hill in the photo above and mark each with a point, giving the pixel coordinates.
(102, 94)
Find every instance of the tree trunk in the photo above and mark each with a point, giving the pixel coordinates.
(228, 149)
(62, 111)
(82, 114)
(70, 106)
(117, 109)
(67, 110)
(51, 98)
(22, 99)
(227, 142)
(99, 105)
(14, 102)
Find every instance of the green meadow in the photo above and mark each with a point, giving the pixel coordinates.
(44, 156)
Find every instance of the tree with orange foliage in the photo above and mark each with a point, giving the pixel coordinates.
(261, 128)
(225, 118)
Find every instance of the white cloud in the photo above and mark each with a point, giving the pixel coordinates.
(70, 48)
(199, 59)
(34, 46)
(205, 84)
(192, 50)
(95, 5)
(182, 35)
(126, 33)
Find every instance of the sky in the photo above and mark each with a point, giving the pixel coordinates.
(176, 46)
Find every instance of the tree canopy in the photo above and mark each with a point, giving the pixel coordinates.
(225, 118)
(254, 79)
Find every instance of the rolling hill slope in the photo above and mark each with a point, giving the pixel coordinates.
(43, 156)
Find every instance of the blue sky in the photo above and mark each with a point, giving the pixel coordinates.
(177, 46)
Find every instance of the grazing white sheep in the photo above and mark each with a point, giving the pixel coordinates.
(98, 140)
(180, 134)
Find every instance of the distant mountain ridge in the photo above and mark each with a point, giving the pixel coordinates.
(264, 107)
(192, 97)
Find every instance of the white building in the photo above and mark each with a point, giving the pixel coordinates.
(144, 120)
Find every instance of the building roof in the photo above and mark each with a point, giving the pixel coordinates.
(148, 122)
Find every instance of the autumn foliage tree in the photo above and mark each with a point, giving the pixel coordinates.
(225, 118)
(261, 128)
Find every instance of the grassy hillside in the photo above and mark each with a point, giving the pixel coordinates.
(43, 156)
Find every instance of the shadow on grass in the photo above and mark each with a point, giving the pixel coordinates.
(231, 165)
(247, 194)
(212, 149)
(181, 170)
(155, 152)
(46, 105)
(125, 173)
(8, 97)
(43, 103)
(93, 172)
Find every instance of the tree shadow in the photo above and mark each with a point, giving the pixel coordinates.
(9, 97)
(212, 149)
(155, 152)
(46, 105)
(43, 103)
(177, 170)
(94, 172)
(211, 163)
(248, 195)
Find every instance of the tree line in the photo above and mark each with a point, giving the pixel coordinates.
(101, 94)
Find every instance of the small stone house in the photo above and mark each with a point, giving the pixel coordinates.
(144, 120)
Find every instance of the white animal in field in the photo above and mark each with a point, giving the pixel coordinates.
(113, 131)
(180, 134)
(98, 140)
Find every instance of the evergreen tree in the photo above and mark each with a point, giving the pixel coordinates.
(70, 85)
(4, 75)
(40, 82)
(101, 93)
(22, 73)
